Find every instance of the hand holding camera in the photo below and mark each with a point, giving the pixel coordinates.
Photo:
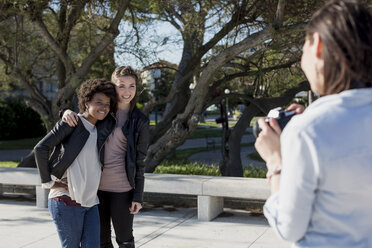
(268, 143)
(282, 117)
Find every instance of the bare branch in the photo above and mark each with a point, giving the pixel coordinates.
(265, 104)
(113, 31)
(39, 24)
(279, 15)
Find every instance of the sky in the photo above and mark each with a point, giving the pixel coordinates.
(171, 51)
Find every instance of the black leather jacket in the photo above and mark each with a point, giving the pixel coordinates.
(68, 141)
(136, 131)
(64, 143)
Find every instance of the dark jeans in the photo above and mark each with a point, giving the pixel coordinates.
(115, 207)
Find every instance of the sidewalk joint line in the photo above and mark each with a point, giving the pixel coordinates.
(254, 241)
(165, 228)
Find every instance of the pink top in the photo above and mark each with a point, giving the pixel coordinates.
(114, 177)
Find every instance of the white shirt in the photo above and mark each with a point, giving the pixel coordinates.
(84, 174)
(325, 196)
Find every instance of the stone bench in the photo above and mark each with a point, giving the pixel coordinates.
(25, 176)
(210, 190)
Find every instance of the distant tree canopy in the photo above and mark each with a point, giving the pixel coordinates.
(61, 42)
(251, 47)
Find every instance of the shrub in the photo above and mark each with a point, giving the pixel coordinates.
(255, 172)
(194, 168)
(19, 121)
(191, 168)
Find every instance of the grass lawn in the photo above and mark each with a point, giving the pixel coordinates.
(18, 144)
(179, 164)
(8, 164)
(203, 133)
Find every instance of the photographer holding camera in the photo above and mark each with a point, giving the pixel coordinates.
(320, 167)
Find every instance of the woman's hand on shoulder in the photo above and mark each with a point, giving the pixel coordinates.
(135, 208)
(70, 117)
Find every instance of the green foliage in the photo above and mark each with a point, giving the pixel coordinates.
(191, 168)
(102, 68)
(8, 164)
(194, 168)
(255, 172)
(18, 121)
(209, 124)
(203, 133)
(6, 82)
(139, 105)
(179, 164)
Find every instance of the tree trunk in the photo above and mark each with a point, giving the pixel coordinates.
(181, 84)
(234, 166)
(186, 123)
(174, 137)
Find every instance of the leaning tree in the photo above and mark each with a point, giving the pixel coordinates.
(62, 42)
(248, 24)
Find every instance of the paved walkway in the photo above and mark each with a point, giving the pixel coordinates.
(214, 156)
(22, 225)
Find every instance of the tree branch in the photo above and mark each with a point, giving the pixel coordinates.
(66, 27)
(279, 15)
(113, 31)
(39, 24)
(266, 104)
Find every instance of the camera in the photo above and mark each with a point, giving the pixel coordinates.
(281, 115)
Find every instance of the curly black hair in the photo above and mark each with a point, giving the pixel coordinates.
(99, 85)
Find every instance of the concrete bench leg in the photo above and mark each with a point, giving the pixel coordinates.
(41, 197)
(209, 207)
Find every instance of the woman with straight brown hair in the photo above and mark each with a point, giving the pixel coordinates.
(320, 166)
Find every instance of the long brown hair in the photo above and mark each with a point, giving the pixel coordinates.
(123, 71)
(345, 29)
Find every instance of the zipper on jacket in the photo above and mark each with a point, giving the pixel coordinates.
(103, 144)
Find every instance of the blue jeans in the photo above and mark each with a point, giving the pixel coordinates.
(76, 226)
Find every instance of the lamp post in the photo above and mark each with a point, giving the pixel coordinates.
(224, 120)
(227, 91)
(156, 75)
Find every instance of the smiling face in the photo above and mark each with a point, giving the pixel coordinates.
(98, 108)
(126, 90)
